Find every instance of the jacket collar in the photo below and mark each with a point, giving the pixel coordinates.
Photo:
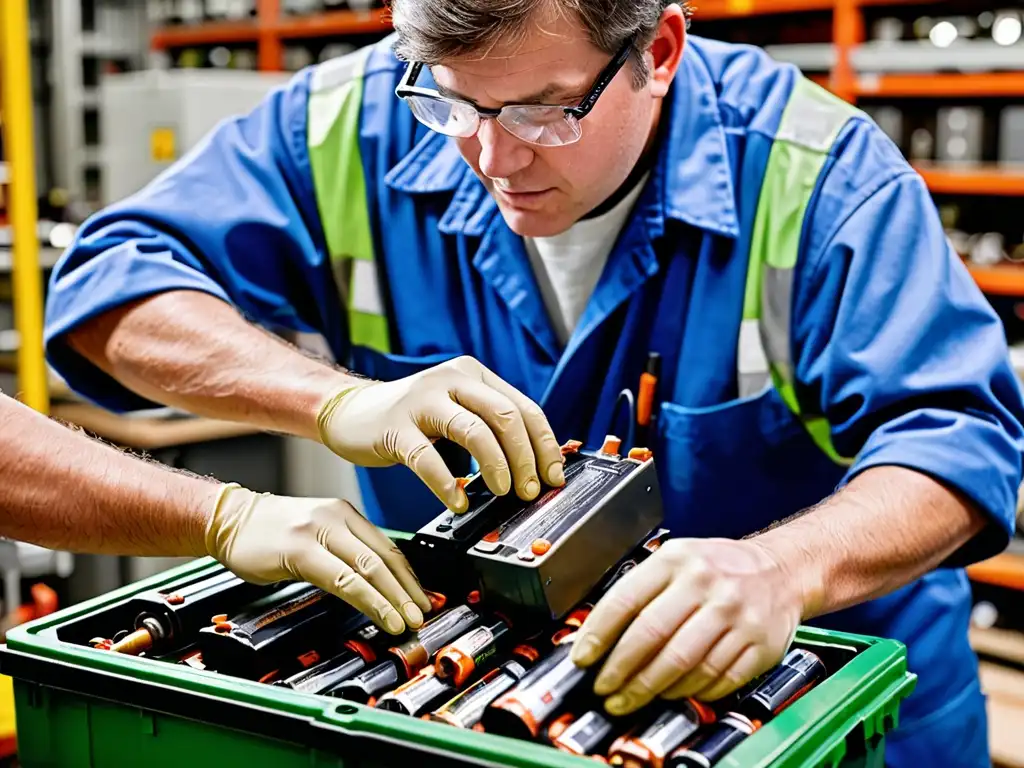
(693, 163)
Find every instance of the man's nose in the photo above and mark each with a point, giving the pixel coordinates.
(502, 155)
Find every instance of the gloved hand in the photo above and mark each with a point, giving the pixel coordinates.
(375, 424)
(699, 618)
(264, 538)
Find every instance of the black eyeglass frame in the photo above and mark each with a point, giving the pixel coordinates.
(585, 107)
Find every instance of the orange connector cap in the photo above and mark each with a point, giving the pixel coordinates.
(611, 445)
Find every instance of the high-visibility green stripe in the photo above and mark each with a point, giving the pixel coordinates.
(369, 330)
(811, 122)
(335, 105)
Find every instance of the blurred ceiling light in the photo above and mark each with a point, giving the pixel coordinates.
(943, 34)
(62, 235)
(1006, 29)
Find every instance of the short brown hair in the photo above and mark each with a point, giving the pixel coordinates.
(432, 30)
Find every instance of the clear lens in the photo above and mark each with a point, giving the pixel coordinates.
(547, 126)
(451, 118)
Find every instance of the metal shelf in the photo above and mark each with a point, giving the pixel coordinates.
(731, 9)
(973, 179)
(207, 33)
(1005, 570)
(942, 85)
(923, 56)
(334, 23)
(326, 24)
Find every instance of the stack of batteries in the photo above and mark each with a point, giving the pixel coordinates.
(469, 666)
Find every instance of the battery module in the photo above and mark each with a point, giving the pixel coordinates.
(547, 555)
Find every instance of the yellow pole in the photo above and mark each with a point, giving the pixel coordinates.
(16, 103)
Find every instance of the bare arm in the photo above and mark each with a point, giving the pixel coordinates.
(192, 351)
(889, 526)
(63, 490)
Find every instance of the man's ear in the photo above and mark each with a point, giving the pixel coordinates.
(667, 49)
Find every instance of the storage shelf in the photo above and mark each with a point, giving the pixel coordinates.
(334, 23)
(943, 85)
(208, 33)
(973, 180)
(1005, 570)
(730, 9)
(293, 27)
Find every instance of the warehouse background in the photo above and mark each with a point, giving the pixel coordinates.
(121, 88)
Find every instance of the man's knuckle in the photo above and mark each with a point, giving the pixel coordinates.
(368, 564)
(415, 454)
(730, 600)
(680, 659)
(347, 581)
(464, 425)
(700, 572)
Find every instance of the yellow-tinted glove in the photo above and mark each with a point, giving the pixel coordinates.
(377, 424)
(264, 538)
(700, 617)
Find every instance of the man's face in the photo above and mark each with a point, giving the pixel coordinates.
(542, 191)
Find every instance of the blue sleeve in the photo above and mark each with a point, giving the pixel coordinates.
(897, 345)
(235, 218)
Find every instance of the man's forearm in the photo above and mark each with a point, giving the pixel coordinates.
(62, 490)
(889, 526)
(192, 351)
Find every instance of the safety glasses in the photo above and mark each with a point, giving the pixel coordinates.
(543, 125)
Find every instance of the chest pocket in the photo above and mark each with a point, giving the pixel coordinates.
(737, 467)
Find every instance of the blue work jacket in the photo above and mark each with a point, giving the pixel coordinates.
(891, 341)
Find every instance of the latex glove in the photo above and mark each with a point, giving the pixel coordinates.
(264, 538)
(699, 618)
(378, 424)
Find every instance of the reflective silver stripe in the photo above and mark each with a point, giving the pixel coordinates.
(753, 363)
(813, 117)
(334, 73)
(365, 294)
(776, 310)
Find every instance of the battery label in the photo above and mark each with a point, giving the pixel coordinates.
(467, 709)
(557, 511)
(367, 684)
(419, 695)
(306, 597)
(585, 735)
(714, 744)
(799, 672)
(670, 730)
(547, 685)
(444, 628)
(327, 674)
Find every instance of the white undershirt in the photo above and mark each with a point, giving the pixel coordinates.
(569, 265)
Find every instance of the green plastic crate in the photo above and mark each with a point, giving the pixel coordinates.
(77, 706)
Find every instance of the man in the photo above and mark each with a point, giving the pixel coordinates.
(563, 187)
(64, 491)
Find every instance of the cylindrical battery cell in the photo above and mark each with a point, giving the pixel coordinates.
(460, 659)
(466, 709)
(323, 676)
(592, 733)
(799, 672)
(369, 684)
(416, 652)
(546, 689)
(419, 695)
(670, 730)
(714, 743)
